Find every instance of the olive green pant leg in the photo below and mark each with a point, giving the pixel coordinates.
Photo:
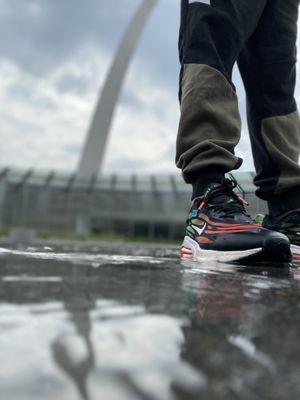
(210, 125)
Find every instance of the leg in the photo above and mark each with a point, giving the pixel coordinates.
(212, 35)
(218, 228)
(268, 68)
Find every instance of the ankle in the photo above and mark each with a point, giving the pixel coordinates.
(204, 179)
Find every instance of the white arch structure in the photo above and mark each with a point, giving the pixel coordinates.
(94, 148)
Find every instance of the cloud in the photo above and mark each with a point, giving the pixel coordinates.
(40, 35)
(38, 122)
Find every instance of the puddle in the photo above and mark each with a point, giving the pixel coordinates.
(91, 325)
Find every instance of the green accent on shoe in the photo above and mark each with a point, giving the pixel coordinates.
(189, 229)
(259, 218)
(230, 201)
(211, 187)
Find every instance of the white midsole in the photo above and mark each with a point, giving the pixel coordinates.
(214, 255)
(295, 249)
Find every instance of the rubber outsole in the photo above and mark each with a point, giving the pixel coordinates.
(191, 250)
(275, 252)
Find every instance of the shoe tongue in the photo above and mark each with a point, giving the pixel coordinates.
(215, 192)
(221, 199)
(219, 194)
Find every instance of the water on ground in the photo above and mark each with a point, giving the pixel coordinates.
(129, 323)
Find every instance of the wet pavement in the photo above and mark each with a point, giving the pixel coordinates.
(127, 323)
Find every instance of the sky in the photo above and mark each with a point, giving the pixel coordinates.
(54, 57)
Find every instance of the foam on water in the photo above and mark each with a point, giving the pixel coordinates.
(83, 258)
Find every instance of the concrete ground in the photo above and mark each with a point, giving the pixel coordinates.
(126, 322)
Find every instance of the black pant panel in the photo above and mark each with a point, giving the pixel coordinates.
(215, 34)
(268, 60)
(268, 67)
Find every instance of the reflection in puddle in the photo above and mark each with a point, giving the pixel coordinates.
(26, 278)
(250, 350)
(140, 353)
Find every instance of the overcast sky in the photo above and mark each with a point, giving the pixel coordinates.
(54, 56)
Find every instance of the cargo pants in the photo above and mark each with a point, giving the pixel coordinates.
(260, 35)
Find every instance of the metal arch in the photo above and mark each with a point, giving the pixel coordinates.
(94, 148)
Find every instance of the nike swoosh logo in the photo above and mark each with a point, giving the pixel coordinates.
(199, 230)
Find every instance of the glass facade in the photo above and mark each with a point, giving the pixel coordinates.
(127, 205)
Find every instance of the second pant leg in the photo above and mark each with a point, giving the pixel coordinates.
(212, 35)
(268, 68)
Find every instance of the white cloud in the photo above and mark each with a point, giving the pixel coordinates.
(146, 129)
(43, 126)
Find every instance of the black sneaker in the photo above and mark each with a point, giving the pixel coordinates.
(288, 224)
(218, 228)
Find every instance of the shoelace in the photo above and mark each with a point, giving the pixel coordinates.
(230, 208)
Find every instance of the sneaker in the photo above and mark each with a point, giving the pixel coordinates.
(288, 224)
(218, 228)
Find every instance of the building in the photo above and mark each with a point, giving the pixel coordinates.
(133, 206)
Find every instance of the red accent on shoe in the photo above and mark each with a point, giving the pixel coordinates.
(184, 252)
(203, 239)
(296, 257)
(224, 225)
(201, 206)
(232, 230)
(243, 201)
